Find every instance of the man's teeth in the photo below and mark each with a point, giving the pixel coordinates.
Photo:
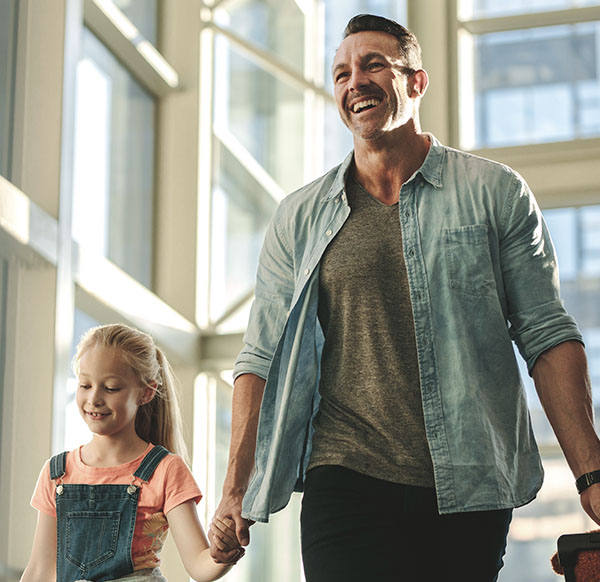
(363, 104)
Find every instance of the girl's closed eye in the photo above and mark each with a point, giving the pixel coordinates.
(111, 389)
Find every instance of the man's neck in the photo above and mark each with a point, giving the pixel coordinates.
(383, 166)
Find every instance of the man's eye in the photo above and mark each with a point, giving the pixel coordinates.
(341, 76)
(375, 66)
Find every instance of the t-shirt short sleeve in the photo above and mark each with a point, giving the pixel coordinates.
(43, 497)
(179, 483)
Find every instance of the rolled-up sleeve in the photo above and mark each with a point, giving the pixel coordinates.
(538, 319)
(272, 299)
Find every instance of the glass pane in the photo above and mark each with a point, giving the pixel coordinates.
(241, 210)
(337, 15)
(8, 37)
(536, 85)
(114, 162)
(143, 14)
(536, 527)
(264, 114)
(277, 26)
(491, 8)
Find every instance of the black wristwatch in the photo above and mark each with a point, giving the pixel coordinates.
(586, 480)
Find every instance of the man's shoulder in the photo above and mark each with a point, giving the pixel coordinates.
(479, 163)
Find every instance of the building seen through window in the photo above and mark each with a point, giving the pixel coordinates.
(537, 85)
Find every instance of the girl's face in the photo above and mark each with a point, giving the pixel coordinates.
(109, 393)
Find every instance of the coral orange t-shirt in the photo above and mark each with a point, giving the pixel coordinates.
(170, 485)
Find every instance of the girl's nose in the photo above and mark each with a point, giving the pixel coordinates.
(95, 396)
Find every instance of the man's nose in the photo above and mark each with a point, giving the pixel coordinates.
(358, 79)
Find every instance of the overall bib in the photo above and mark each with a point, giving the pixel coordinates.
(95, 523)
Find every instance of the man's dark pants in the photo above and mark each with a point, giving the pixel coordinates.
(357, 528)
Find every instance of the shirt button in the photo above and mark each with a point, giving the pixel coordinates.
(328, 232)
(306, 271)
(344, 197)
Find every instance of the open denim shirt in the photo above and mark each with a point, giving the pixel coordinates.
(481, 270)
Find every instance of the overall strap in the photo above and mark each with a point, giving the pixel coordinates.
(150, 462)
(58, 464)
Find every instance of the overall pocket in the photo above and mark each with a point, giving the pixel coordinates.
(470, 268)
(91, 537)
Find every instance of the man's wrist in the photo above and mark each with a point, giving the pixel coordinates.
(586, 480)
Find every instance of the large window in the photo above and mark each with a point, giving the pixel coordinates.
(113, 190)
(537, 85)
(8, 35)
(529, 85)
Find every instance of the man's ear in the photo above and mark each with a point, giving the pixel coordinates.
(419, 82)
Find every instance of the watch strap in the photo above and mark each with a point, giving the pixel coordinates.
(586, 480)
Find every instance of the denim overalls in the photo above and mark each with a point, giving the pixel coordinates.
(96, 523)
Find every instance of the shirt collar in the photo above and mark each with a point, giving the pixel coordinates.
(431, 169)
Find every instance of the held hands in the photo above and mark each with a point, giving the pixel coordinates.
(228, 532)
(225, 548)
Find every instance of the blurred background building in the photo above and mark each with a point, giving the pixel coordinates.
(144, 145)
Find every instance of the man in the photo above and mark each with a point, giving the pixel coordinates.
(379, 352)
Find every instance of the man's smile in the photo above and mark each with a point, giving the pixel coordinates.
(364, 104)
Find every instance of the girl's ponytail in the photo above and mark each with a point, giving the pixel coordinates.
(159, 421)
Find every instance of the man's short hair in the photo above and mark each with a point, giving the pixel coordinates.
(409, 48)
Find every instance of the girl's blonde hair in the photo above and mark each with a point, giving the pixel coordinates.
(158, 421)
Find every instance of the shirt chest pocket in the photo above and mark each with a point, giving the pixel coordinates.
(470, 269)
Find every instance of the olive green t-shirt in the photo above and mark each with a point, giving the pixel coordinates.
(370, 418)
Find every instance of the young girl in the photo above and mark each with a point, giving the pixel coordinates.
(105, 508)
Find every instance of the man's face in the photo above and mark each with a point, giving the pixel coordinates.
(370, 85)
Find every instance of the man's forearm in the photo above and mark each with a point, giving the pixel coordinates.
(247, 397)
(562, 382)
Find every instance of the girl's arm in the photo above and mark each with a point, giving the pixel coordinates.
(42, 563)
(193, 546)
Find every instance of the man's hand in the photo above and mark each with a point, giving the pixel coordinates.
(229, 531)
(590, 501)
